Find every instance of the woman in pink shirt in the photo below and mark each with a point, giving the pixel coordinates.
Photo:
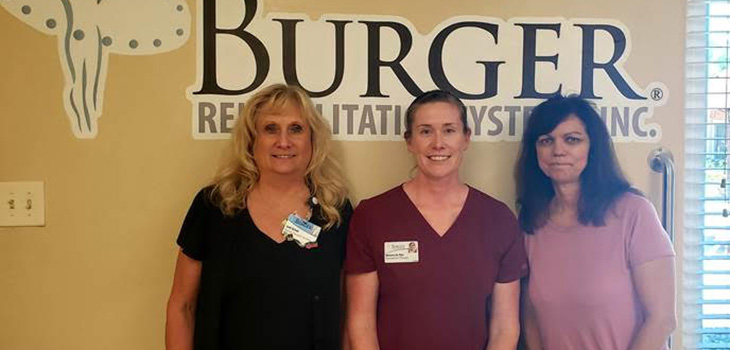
(601, 266)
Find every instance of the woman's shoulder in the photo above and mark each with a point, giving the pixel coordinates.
(485, 200)
(204, 202)
(388, 196)
(205, 195)
(382, 203)
(631, 201)
(632, 205)
(206, 190)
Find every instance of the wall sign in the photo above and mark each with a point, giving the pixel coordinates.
(364, 70)
(361, 70)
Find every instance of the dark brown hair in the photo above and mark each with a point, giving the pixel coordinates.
(602, 181)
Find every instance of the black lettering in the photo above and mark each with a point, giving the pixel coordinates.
(289, 55)
(530, 59)
(436, 64)
(375, 63)
(588, 64)
(210, 31)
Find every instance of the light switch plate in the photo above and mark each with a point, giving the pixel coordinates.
(22, 204)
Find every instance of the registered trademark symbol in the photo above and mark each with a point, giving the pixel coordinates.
(657, 94)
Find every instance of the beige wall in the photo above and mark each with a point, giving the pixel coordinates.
(98, 274)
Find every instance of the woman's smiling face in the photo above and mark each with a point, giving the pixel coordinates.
(438, 140)
(283, 144)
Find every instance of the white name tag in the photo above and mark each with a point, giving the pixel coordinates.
(401, 252)
(299, 230)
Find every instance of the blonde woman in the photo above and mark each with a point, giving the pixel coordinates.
(243, 280)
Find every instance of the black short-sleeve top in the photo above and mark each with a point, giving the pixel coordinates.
(258, 294)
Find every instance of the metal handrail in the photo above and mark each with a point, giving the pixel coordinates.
(662, 161)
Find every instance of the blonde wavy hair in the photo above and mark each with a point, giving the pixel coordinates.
(238, 173)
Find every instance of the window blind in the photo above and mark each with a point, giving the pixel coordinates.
(706, 271)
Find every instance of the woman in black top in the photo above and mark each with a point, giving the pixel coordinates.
(240, 283)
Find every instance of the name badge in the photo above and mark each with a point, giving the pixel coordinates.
(299, 230)
(401, 252)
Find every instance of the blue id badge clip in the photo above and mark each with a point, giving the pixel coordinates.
(301, 231)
